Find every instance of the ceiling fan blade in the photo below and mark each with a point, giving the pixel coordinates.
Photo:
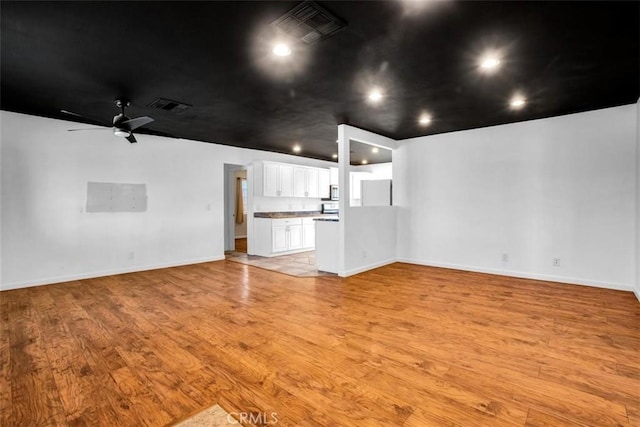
(88, 120)
(132, 139)
(73, 130)
(132, 124)
(71, 113)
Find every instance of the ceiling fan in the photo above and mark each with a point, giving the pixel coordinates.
(123, 126)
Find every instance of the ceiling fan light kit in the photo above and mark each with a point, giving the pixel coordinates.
(121, 132)
(123, 126)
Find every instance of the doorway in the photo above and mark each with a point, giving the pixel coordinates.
(236, 207)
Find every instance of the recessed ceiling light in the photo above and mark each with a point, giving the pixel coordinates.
(490, 60)
(424, 119)
(334, 155)
(517, 102)
(375, 95)
(374, 150)
(297, 148)
(281, 49)
(364, 162)
(490, 63)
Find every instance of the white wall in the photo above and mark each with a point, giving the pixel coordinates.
(368, 235)
(637, 260)
(561, 187)
(47, 236)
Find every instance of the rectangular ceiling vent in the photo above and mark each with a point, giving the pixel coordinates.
(309, 22)
(169, 105)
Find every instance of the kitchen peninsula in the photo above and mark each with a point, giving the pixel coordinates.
(327, 244)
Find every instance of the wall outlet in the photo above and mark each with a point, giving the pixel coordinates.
(556, 262)
(505, 257)
(131, 256)
(364, 254)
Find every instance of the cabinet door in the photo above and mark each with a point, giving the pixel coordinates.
(295, 237)
(313, 189)
(279, 238)
(270, 180)
(286, 180)
(324, 181)
(309, 236)
(299, 182)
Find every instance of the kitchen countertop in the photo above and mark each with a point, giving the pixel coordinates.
(299, 214)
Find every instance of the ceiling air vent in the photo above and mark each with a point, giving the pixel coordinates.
(309, 22)
(169, 105)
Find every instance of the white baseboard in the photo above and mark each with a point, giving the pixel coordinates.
(91, 275)
(240, 237)
(524, 275)
(366, 267)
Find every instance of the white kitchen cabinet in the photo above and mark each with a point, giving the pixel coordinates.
(313, 189)
(276, 236)
(299, 181)
(306, 182)
(277, 180)
(270, 179)
(284, 180)
(279, 238)
(324, 182)
(286, 237)
(295, 237)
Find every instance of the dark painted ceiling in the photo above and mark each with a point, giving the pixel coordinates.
(564, 57)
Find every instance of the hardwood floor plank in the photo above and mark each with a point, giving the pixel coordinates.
(34, 392)
(402, 345)
(541, 419)
(5, 361)
(548, 396)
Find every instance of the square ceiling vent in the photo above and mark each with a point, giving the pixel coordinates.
(169, 105)
(309, 22)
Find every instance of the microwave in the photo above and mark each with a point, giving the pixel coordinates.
(333, 192)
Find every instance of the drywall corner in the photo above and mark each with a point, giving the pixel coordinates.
(636, 288)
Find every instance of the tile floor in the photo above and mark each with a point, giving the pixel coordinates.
(302, 264)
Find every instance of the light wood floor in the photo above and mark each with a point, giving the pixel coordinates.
(401, 345)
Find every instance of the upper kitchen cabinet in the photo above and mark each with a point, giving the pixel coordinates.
(305, 182)
(324, 183)
(277, 179)
(284, 180)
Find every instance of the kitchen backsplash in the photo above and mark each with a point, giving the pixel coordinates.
(286, 204)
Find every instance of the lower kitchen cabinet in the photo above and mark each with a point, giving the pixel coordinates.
(286, 237)
(275, 236)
